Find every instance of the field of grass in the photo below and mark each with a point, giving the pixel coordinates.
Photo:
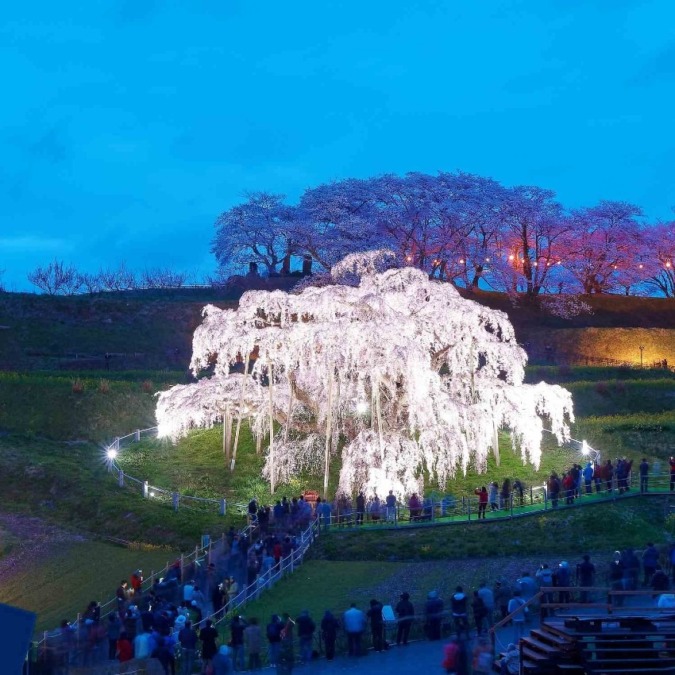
(76, 407)
(69, 485)
(601, 527)
(59, 585)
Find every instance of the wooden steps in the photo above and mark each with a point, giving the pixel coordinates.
(599, 646)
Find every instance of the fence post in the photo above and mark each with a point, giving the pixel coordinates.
(531, 496)
(137, 435)
(120, 479)
(116, 443)
(146, 489)
(175, 498)
(223, 507)
(545, 498)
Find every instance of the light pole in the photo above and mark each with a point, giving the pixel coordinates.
(642, 349)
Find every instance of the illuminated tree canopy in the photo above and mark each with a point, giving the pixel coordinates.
(396, 372)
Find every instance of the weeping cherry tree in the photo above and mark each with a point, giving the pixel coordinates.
(396, 373)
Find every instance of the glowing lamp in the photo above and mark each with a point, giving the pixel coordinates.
(111, 453)
(584, 448)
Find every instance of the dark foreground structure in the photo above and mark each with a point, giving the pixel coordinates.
(600, 645)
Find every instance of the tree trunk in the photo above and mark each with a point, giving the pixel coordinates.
(241, 413)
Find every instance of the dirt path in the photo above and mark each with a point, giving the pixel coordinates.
(24, 540)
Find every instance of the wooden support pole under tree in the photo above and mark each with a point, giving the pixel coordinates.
(329, 432)
(227, 433)
(495, 441)
(271, 411)
(378, 410)
(290, 409)
(241, 413)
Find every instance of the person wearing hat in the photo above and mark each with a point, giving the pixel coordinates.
(434, 615)
(222, 661)
(405, 612)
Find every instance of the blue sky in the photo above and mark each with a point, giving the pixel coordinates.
(128, 126)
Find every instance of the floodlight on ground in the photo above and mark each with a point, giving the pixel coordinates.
(111, 453)
(584, 448)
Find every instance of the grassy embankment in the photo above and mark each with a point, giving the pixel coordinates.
(618, 412)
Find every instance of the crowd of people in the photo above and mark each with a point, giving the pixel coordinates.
(172, 616)
(601, 477)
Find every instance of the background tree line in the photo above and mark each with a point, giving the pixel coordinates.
(60, 278)
(463, 228)
(459, 227)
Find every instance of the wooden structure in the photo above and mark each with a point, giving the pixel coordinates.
(597, 638)
(600, 645)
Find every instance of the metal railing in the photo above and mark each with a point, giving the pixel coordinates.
(173, 498)
(49, 649)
